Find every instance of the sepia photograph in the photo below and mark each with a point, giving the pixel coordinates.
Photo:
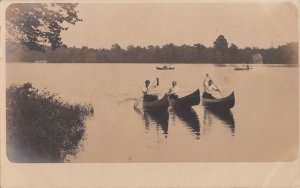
(150, 82)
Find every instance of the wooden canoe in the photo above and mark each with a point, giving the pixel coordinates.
(220, 104)
(158, 105)
(186, 101)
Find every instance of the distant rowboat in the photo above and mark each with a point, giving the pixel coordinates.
(165, 67)
(242, 68)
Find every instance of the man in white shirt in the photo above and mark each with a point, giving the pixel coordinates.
(209, 87)
(146, 91)
(173, 90)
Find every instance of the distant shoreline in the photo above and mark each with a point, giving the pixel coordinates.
(168, 54)
(218, 65)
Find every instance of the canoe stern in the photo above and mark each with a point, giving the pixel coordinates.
(224, 103)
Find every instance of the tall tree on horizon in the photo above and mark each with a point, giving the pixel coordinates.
(221, 49)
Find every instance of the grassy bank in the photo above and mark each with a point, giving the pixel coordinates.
(41, 127)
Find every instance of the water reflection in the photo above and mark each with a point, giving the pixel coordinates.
(189, 118)
(160, 119)
(225, 116)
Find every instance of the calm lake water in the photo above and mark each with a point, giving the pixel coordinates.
(262, 126)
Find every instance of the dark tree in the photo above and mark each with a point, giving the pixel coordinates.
(169, 51)
(200, 51)
(232, 54)
(221, 44)
(221, 49)
(36, 25)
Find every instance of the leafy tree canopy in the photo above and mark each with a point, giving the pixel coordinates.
(36, 25)
(221, 44)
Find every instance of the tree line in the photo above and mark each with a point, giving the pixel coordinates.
(219, 53)
(34, 33)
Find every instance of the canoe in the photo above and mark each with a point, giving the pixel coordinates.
(186, 101)
(165, 68)
(158, 105)
(220, 104)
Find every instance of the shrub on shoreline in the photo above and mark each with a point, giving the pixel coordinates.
(41, 127)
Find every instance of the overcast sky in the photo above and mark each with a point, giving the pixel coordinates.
(244, 24)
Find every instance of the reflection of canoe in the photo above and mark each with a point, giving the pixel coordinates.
(186, 101)
(158, 118)
(158, 105)
(223, 103)
(165, 68)
(225, 116)
(161, 119)
(189, 118)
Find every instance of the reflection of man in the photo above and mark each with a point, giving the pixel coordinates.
(207, 122)
(173, 90)
(209, 87)
(146, 91)
(207, 119)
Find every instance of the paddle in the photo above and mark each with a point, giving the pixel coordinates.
(217, 87)
(140, 99)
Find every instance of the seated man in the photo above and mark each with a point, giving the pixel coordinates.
(146, 91)
(208, 88)
(173, 90)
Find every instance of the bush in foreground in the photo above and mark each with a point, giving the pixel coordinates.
(41, 127)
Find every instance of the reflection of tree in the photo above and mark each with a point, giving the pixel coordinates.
(225, 116)
(189, 118)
